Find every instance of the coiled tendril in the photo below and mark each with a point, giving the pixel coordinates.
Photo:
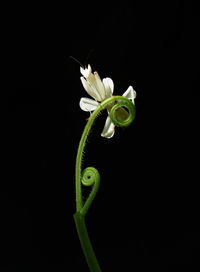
(90, 176)
(119, 116)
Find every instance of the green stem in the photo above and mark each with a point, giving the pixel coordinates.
(90, 175)
(85, 243)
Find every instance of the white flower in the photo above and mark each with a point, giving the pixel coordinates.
(100, 91)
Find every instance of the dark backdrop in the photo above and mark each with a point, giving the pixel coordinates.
(146, 212)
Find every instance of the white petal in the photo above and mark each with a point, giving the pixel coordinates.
(86, 72)
(109, 86)
(99, 86)
(88, 104)
(90, 89)
(130, 93)
(109, 129)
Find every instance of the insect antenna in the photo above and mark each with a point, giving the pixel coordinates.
(76, 61)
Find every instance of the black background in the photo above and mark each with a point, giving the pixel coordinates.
(146, 212)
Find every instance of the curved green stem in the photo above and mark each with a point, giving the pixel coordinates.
(90, 175)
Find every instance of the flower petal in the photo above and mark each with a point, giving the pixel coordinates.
(109, 86)
(130, 93)
(109, 129)
(87, 104)
(90, 90)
